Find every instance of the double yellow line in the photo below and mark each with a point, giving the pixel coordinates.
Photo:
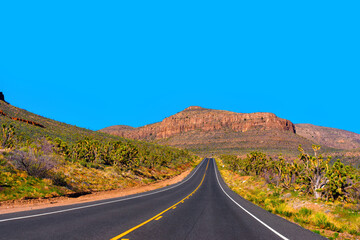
(158, 216)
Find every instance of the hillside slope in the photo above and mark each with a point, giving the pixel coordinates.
(44, 158)
(26, 123)
(331, 137)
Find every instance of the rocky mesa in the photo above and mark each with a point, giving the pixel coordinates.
(198, 118)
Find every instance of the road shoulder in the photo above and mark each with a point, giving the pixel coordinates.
(33, 204)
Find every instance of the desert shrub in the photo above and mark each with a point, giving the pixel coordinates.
(45, 146)
(256, 163)
(34, 164)
(61, 147)
(58, 179)
(127, 156)
(232, 162)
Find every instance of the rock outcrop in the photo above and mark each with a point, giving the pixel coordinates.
(28, 122)
(198, 118)
(22, 120)
(2, 97)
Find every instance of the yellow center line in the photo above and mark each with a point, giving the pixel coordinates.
(159, 214)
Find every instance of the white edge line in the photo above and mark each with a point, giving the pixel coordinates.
(274, 231)
(103, 203)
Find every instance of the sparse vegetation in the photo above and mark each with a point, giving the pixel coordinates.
(34, 164)
(87, 165)
(307, 174)
(61, 159)
(308, 190)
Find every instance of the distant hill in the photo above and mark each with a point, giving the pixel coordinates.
(330, 137)
(117, 130)
(206, 130)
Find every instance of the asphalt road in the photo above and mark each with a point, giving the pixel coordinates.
(199, 207)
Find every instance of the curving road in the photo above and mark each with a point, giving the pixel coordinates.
(199, 207)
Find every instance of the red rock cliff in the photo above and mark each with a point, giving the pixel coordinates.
(197, 118)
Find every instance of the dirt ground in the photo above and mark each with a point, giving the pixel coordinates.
(31, 204)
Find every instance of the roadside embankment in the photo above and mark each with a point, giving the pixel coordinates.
(31, 204)
(334, 220)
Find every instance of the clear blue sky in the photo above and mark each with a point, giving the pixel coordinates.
(100, 63)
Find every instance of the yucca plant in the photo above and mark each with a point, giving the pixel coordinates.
(7, 136)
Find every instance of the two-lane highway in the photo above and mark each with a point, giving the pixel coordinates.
(199, 207)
